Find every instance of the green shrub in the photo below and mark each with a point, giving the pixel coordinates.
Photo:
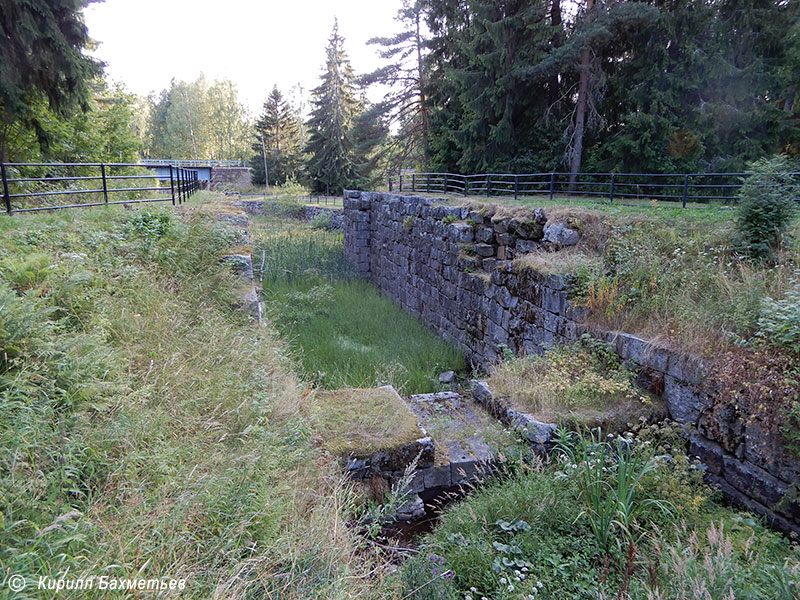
(766, 205)
(152, 224)
(779, 323)
(321, 221)
(25, 272)
(408, 223)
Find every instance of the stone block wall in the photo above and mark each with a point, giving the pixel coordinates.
(302, 212)
(235, 176)
(451, 267)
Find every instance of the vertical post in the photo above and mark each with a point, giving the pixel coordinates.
(445, 184)
(488, 185)
(401, 181)
(105, 185)
(552, 185)
(182, 185)
(6, 195)
(266, 173)
(685, 190)
(390, 185)
(413, 182)
(516, 187)
(172, 185)
(611, 189)
(466, 185)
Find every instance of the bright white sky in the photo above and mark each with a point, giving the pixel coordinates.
(145, 43)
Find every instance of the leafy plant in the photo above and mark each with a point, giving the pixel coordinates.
(766, 205)
(408, 223)
(779, 323)
(25, 272)
(321, 221)
(449, 219)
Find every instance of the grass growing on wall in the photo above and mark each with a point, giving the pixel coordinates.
(343, 332)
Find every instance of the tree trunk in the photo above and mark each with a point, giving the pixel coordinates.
(788, 103)
(580, 110)
(423, 109)
(556, 22)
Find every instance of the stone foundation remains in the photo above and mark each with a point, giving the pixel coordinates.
(452, 268)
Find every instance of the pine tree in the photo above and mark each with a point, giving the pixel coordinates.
(277, 136)
(333, 164)
(41, 58)
(405, 105)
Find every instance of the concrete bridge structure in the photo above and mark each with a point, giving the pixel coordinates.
(212, 173)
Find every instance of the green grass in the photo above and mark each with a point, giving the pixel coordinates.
(342, 331)
(149, 429)
(712, 212)
(583, 384)
(532, 530)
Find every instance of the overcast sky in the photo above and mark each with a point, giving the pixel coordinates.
(145, 43)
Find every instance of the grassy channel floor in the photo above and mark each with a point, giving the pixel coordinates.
(343, 333)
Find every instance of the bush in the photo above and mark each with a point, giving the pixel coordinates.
(766, 205)
(321, 221)
(779, 323)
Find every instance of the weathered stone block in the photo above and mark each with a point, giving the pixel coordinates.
(683, 403)
(560, 235)
(484, 250)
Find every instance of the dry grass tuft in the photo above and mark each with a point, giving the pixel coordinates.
(575, 385)
(360, 422)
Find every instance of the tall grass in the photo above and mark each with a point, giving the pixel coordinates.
(562, 529)
(342, 331)
(150, 430)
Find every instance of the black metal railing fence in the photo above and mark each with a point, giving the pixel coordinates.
(682, 188)
(28, 187)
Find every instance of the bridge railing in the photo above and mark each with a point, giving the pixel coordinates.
(678, 188)
(189, 163)
(28, 187)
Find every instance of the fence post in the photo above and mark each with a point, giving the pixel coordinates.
(172, 185)
(401, 181)
(6, 196)
(413, 182)
(611, 190)
(516, 187)
(466, 185)
(445, 185)
(685, 190)
(552, 184)
(428, 183)
(105, 186)
(488, 185)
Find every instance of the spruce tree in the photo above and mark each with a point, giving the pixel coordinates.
(277, 136)
(333, 164)
(41, 58)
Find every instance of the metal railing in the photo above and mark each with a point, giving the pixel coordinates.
(28, 187)
(322, 199)
(700, 188)
(188, 162)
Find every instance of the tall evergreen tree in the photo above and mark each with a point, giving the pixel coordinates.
(332, 163)
(41, 58)
(277, 136)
